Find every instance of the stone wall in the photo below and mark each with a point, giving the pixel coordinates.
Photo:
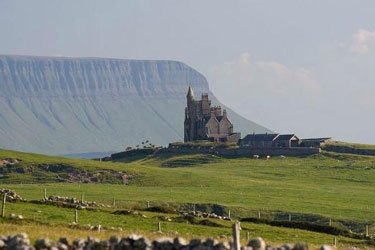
(22, 241)
(130, 153)
(348, 150)
(243, 151)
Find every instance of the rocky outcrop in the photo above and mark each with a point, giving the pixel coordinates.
(59, 78)
(8, 162)
(11, 195)
(59, 172)
(77, 105)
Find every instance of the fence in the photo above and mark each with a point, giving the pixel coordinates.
(275, 218)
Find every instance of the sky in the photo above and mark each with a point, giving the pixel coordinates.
(294, 66)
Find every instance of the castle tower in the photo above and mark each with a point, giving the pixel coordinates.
(190, 94)
(206, 105)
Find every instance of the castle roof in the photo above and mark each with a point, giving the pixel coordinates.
(219, 117)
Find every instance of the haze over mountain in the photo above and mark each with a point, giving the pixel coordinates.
(59, 106)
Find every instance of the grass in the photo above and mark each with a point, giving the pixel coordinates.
(337, 186)
(40, 218)
(351, 145)
(34, 159)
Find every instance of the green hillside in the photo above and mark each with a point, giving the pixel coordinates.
(352, 145)
(350, 148)
(315, 189)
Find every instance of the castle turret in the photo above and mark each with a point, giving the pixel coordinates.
(190, 98)
(190, 94)
(190, 118)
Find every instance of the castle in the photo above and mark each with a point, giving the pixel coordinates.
(203, 122)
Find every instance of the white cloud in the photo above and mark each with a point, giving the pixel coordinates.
(363, 41)
(263, 78)
(282, 79)
(268, 92)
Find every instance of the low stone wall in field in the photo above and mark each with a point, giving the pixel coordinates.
(348, 150)
(131, 153)
(242, 151)
(21, 241)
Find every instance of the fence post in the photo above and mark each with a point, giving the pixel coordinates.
(258, 214)
(330, 222)
(334, 241)
(76, 216)
(236, 236)
(229, 214)
(290, 217)
(3, 207)
(159, 227)
(45, 193)
(247, 235)
(148, 204)
(82, 197)
(367, 234)
(194, 209)
(114, 202)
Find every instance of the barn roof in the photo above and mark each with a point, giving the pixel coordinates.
(317, 139)
(285, 137)
(260, 137)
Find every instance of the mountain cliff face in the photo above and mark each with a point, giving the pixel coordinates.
(75, 105)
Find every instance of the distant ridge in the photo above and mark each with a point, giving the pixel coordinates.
(61, 105)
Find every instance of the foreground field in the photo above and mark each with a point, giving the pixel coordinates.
(53, 222)
(331, 186)
(334, 185)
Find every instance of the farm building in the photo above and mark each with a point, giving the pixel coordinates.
(270, 141)
(286, 141)
(314, 142)
(258, 140)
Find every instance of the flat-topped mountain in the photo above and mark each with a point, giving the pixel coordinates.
(59, 105)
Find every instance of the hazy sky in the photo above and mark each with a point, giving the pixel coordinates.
(306, 67)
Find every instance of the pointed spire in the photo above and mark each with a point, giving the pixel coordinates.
(190, 93)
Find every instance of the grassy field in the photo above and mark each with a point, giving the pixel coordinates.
(40, 219)
(352, 145)
(337, 186)
(334, 185)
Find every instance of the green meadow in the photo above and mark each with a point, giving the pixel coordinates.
(339, 187)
